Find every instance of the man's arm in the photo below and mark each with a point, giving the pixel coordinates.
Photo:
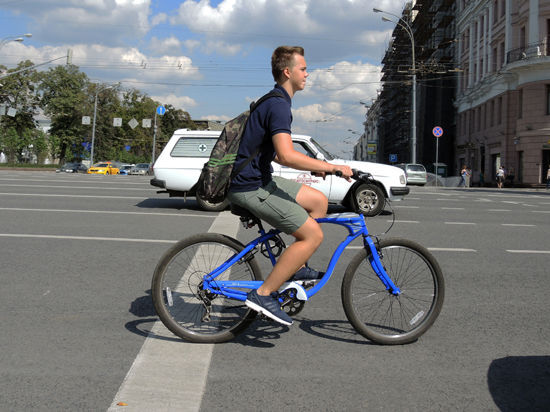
(287, 156)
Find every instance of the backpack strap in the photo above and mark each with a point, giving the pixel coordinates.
(253, 106)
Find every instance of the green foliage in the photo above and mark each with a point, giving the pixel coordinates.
(65, 94)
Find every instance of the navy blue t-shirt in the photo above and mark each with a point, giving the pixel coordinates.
(271, 117)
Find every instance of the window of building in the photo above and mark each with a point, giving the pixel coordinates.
(494, 68)
(502, 54)
(492, 113)
(499, 110)
(548, 99)
(495, 11)
(522, 43)
(502, 8)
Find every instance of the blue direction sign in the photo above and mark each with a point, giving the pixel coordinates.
(161, 110)
(437, 131)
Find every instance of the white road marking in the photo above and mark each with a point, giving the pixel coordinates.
(517, 225)
(18, 209)
(93, 238)
(73, 196)
(170, 374)
(545, 252)
(452, 208)
(450, 249)
(460, 223)
(499, 210)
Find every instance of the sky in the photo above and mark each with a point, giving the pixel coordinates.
(211, 58)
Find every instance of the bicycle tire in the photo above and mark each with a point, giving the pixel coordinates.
(176, 283)
(382, 317)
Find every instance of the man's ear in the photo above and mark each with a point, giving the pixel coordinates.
(286, 72)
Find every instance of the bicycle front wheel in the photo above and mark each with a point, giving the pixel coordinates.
(390, 319)
(184, 307)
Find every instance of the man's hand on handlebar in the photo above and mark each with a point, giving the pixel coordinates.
(339, 170)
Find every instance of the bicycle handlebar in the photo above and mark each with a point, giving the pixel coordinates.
(358, 175)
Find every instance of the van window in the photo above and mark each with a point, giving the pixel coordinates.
(416, 168)
(193, 147)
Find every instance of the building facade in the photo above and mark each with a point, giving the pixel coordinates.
(503, 95)
(428, 77)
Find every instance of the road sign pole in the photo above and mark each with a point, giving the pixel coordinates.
(436, 158)
(154, 139)
(437, 131)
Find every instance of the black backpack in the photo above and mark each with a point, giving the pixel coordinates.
(217, 173)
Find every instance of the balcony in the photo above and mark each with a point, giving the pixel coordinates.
(529, 52)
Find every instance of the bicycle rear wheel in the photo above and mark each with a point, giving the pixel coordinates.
(177, 292)
(390, 319)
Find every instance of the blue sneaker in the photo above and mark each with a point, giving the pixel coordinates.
(269, 306)
(307, 273)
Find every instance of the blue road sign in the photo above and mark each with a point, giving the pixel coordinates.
(161, 110)
(393, 158)
(437, 131)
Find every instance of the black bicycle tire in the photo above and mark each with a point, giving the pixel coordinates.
(401, 280)
(157, 289)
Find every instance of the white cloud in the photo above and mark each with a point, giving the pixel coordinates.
(167, 45)
(112, 22)
(179, 102)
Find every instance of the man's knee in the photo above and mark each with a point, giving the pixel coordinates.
(310, 231)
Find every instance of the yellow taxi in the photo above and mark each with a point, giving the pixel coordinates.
(103, 168)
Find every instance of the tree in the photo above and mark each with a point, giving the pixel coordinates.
(11, 144)
(64, 98)
(19, 94)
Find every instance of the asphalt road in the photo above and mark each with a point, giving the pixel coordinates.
(79, 333)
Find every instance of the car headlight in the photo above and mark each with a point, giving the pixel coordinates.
(402, 180)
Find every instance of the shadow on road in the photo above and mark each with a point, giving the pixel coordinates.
(520, 383)
(170, 203)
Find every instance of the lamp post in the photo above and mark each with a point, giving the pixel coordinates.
(405, 26)
(94, 120)
(19, 39)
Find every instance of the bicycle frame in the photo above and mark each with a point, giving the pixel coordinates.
(356, 227)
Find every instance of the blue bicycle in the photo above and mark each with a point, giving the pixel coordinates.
(392, 291)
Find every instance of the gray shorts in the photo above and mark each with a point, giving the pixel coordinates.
(275, 203)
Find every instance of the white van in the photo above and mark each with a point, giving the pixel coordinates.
(179, 165)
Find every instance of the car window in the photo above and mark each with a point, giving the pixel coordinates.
(193, 147)
(143, 166)
(102, 165)
(302, 148)
(416, 168)
(328, 156)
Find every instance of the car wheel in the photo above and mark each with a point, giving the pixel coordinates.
(212, 207)
(368, 200)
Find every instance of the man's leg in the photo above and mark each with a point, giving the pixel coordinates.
(314, 201)
(308, 238)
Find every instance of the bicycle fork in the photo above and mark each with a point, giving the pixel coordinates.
(378, 266)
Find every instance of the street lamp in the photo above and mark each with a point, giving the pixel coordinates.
(93, 124)
(19, 39)
(405, 26)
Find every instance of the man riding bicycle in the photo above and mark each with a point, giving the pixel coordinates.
(285, 204)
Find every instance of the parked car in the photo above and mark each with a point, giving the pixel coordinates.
(72, 167)
(140, 169)
(178, 167)
(104, 168)
(416, 173)
(125, 169)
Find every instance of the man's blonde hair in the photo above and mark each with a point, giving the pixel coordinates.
(283, 57)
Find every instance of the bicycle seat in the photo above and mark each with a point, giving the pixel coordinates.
(242, 212)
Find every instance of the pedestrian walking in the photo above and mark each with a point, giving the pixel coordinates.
(463, 177)
(500, 177)
(548, 177)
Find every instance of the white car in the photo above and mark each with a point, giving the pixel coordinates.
(179, 165)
